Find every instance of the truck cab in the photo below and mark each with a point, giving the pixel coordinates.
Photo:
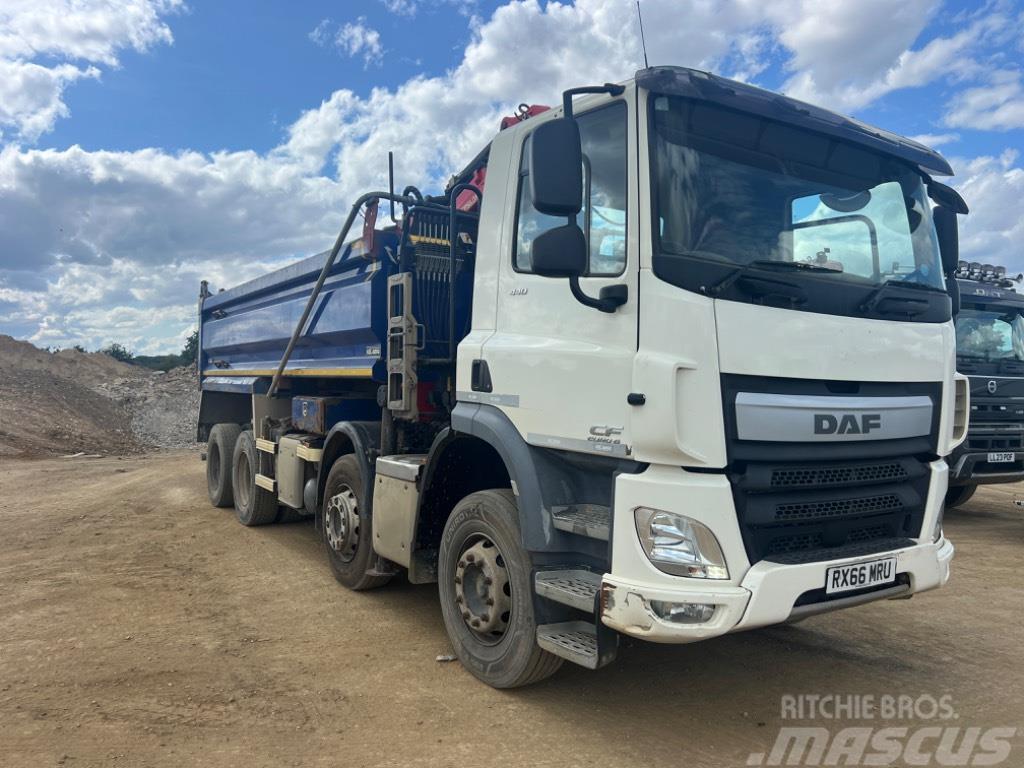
(990, 351)
(687, 368)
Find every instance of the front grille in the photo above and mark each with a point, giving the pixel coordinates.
(814, 510)
(817, 510)
(797, 542)
(980, 440)
(809, 476)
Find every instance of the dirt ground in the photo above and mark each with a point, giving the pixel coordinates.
(141, 627)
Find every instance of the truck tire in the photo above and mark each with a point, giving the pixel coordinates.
(220, 450)
(253, 505)
(485, 585)
(347, 529)
(959, 494)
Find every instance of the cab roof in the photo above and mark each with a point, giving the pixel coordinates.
(704, 86)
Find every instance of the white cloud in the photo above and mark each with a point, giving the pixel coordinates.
(935, 139)
(31, 95)
(401, 7)
(40, 38)
(857, 63)
(409, 8)
(994, 229)
(996, 106)
(353, 38)
(87, 234)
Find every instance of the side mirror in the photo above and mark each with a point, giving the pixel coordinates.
(556, 168)
(560, 252)
(947, 197)
(949, 237)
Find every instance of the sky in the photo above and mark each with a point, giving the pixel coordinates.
(146, 145)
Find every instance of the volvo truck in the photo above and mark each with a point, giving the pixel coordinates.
(670, 360)
(990, 350)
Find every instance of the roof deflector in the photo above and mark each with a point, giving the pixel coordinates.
(704, 86)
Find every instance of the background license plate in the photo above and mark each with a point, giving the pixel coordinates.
(999, 458)
(843, 578)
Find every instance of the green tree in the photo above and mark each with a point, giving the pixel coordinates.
(118, 352)
(191, 349)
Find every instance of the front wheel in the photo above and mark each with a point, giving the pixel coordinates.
(959, 494)
(484, 581)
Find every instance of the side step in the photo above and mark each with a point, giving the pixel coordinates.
(593, 520)
(579, 642)
(576, 588)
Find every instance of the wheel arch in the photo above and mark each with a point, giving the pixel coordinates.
(358, 438)
(217, 407)
(540, 478)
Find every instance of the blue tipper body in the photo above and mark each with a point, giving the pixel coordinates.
(243, 331)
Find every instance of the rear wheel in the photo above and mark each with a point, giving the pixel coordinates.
(484, 581)
(347, 528)
(959, 494)
(220, 449)
(253, 505)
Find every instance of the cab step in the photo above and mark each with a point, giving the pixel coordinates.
(575, 588)
(579, 642)
(592, 520)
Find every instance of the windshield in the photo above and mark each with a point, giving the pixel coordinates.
(733, 188)
(990, 335)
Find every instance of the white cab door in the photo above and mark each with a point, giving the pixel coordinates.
(560, 370)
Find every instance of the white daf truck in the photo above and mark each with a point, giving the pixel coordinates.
(672, 360)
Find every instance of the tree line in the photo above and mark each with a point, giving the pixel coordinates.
(187, 356)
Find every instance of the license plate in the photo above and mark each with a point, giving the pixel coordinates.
(1001, 458)
(844, 578)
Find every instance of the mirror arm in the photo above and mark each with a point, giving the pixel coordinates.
(612, 89)
(612, 296)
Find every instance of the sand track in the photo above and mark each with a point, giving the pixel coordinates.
(141, 627)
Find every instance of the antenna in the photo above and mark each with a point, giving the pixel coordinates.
(643, 42)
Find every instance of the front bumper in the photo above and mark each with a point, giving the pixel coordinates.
(767, 595)
(756, 596)
(974, 469)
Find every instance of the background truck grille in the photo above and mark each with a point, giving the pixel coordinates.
(815, 510)
(981, 439)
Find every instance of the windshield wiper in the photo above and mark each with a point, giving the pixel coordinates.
(899, 306)
(747, 269)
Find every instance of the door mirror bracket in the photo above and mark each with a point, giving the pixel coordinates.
(562, 252)
(610, 298)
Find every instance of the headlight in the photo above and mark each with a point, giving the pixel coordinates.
(680, 545)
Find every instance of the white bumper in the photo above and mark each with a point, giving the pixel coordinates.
(754, 596)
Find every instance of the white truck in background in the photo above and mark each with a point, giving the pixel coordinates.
(673, 360)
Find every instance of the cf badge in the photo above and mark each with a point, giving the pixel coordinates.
(992, 386)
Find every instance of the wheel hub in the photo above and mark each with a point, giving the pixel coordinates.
(482, 590)
(342, 523)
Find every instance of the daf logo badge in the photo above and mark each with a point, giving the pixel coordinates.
(992, 386)
(847, 424)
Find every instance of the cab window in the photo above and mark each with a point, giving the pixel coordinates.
(603, 219)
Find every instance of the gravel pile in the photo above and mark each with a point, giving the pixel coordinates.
(75, 402)
(163, 407)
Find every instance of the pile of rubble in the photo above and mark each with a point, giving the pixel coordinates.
(69, 402)
(164, 407)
